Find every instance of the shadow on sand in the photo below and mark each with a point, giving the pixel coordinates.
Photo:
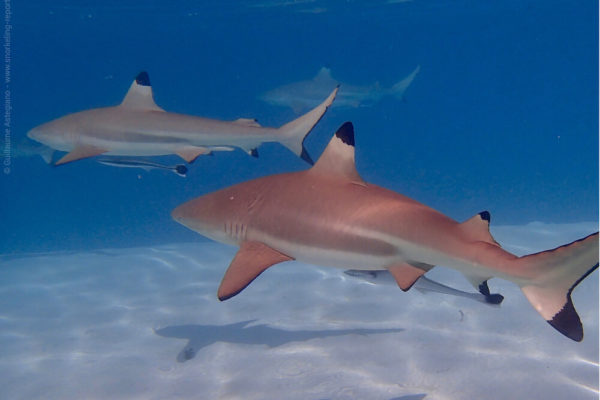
(200, 336)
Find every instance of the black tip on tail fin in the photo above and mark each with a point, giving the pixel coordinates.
(346, 133)
(567, 322)
(143, 79)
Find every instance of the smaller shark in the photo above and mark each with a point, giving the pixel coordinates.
(328, 215)
(305, 94)
(138, 127)
(423, 285)
(146, 165)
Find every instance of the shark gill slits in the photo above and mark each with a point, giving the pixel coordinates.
(143, 79)
(346, 133)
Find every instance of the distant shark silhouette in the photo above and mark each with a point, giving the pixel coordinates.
(138, 127)
(200, 336)
(328, 215)
(305, 94)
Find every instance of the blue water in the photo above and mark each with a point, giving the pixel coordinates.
(503, 115)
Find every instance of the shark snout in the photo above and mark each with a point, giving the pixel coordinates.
(34, 134)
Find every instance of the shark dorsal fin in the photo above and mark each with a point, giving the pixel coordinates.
(324, 75)
(477, 228)
(338, 157)
(139, 96)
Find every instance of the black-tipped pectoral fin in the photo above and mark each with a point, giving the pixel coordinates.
(250, 261)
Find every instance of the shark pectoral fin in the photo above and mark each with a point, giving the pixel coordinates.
(250, 261)
(190, 153)
(79, 152)
(405, 274)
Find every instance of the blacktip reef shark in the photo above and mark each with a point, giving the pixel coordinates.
(138, 127)
(328, 215)
(305, 94)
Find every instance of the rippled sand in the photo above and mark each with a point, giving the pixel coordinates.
(145, 323)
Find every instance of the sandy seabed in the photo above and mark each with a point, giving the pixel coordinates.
(145, 323)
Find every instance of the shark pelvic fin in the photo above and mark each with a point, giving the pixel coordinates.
(338, 157)
(406, 274)
(477, 228)
(139, 96)
(250, 261)
(190, 153)
(79, 152)
(247, 122)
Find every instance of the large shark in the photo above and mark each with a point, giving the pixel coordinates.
(328, 215)
(305, 94)
(138, 127)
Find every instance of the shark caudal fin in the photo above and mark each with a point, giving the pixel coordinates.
(557, 272)
(400, 87)
(293, 133)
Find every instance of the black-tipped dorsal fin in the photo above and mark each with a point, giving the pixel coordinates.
(477, 228)
(338, 157)
(324, 75)
(139, 96)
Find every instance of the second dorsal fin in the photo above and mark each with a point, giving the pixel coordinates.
(477, 228)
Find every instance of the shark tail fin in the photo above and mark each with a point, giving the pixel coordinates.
(400, 87)
(555, 274)
(293, 133)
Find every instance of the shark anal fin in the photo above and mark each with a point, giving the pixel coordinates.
(247, 122)
(250, 261)
(406, 274)
(79, 152)
(190, 153)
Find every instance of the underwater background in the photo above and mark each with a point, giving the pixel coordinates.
(96, 279)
